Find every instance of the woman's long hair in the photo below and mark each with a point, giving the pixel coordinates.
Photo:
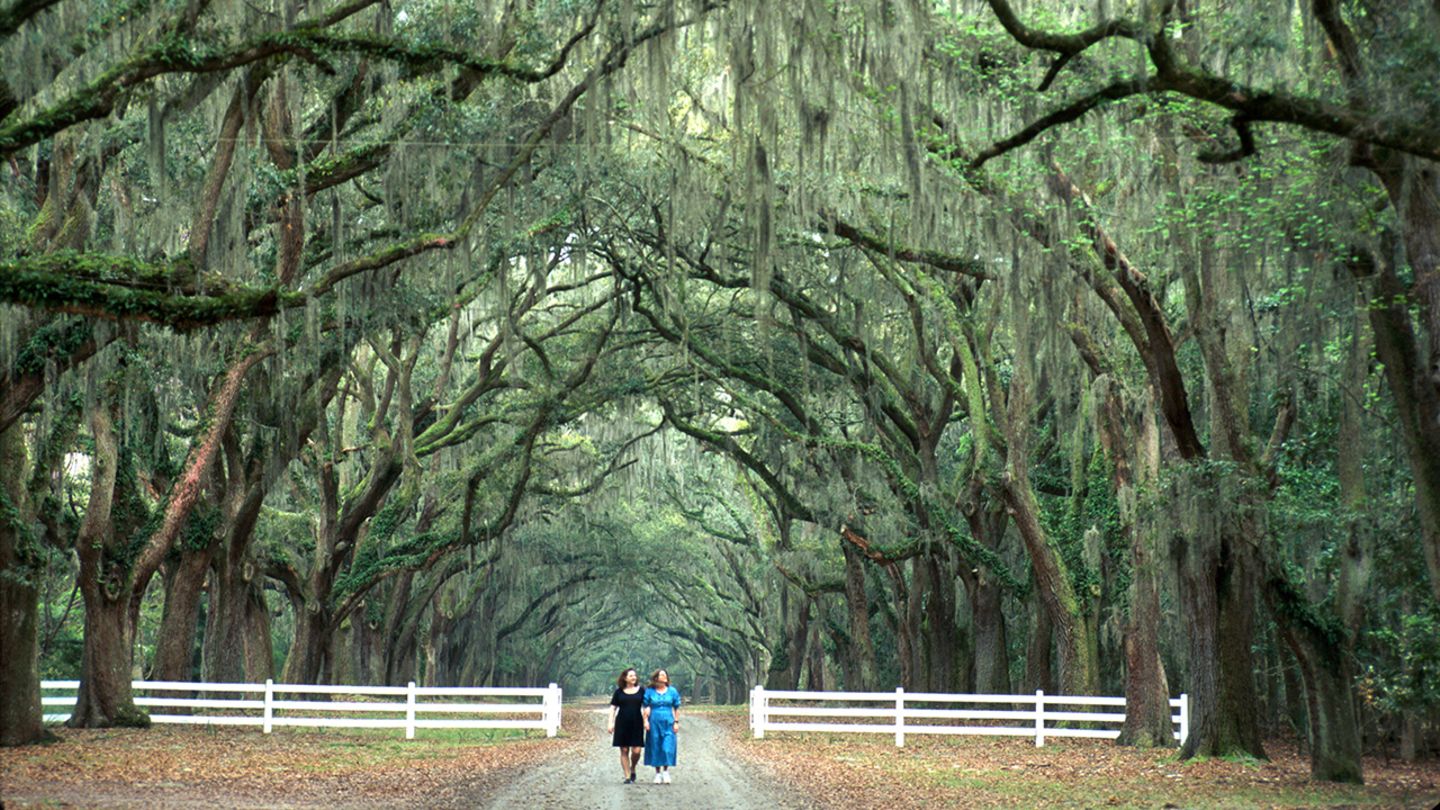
(620, 681)
(655, 677)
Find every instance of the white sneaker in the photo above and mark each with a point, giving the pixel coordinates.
(666, 776)
(659, 778)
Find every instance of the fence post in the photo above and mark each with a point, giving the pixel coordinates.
(753, 698)
(552, 726)
(1184, 717)
(1039, 717)
(760, 712)
(410, 711)
(269, 703)
(899, 717)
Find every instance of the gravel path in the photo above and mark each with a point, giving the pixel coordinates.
(704, 777)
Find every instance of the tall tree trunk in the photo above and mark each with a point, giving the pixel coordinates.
(861, 651)
(397, 648)
(1217, 588)
(798, 643)
(1295, 710)
(1324, 645)
(922, 584)
(1196, 557)
(21, 717)
(175, 642)
(311, 651)
(992, 656)
(987, 615)
(1417, 405)
(904, 636)
(1132, 443)
(1220, 571)
(227, 640)
(945, 639)
(1237, 582)
(1074, 634)
(1147, 691)
(105, 697)
(259, 653)
(816, 678)
(1039, 672)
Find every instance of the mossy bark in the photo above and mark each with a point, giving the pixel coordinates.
(1075, 635)
(21, 719)
(1131, 441)
(1335, 745)
(987, 618)
(1218, 592)
(861, 650)
(921, 584)
(1147, 692)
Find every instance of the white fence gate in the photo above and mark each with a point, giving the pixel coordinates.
(408, 707)
(925, 718)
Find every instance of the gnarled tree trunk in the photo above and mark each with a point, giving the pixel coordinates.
(105, 697)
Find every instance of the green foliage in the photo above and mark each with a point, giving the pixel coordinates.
(201, 529)
(1410, 680)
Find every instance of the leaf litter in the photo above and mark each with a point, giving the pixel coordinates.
(855, 770)
(186, 767)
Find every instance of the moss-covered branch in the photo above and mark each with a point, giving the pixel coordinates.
(1352, 121)
(124, 288)
(175, 54)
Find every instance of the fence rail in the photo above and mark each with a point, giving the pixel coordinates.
(1031, 721)
(275, 704)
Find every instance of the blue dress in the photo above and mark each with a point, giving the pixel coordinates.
(660, 739)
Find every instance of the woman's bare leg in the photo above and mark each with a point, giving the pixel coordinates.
(625, 766)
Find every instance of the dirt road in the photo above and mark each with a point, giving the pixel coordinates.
(704, 777)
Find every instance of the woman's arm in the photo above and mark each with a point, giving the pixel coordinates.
(645, 715)
(614, 710)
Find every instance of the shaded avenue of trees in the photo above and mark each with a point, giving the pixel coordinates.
(965, 347)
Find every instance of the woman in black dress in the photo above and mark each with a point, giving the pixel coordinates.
(627, 726)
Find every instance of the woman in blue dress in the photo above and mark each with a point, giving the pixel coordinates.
(662, 721)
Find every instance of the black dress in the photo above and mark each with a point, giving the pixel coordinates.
(629, 724)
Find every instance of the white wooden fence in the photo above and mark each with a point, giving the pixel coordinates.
(1030, 721)
(408, 707)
